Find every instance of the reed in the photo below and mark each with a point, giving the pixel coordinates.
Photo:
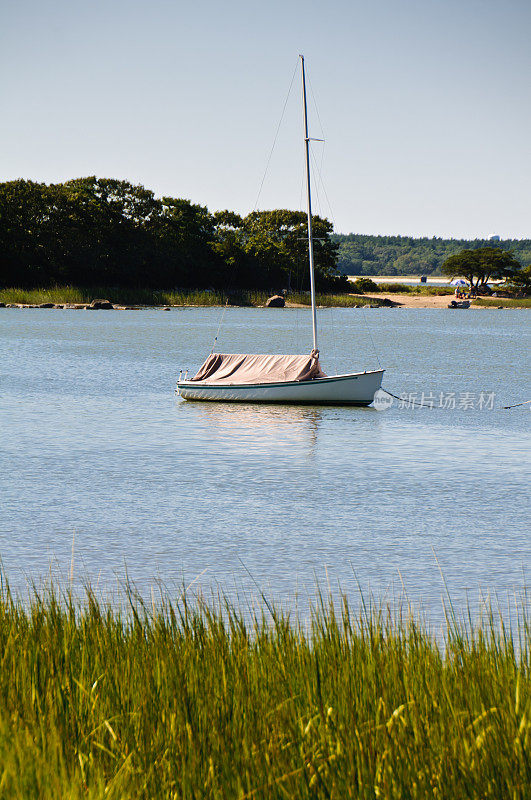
(332, 300)
(505, 302)
(404, 288)
(152, 297)
(189, 699)
(188, 298)
(345, 300)
(55, 294)
(120, 296)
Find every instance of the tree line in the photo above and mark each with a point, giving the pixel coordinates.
(360, 254)
(105, 232)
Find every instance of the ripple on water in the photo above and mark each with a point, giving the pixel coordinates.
(93, 441)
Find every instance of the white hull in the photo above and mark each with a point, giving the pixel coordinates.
(352, 390)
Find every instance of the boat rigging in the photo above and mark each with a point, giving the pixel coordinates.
(268, 378)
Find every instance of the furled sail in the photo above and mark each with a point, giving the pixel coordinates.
(232, 368)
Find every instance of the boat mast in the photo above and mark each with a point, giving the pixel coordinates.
(309, 197)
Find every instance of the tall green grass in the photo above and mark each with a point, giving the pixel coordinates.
(404, 288)
(56, 294)
(73, 294)
(506, 302)
(193, 700)
(332, 300)
(149, 297)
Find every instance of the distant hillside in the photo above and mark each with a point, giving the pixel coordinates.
(404, 255)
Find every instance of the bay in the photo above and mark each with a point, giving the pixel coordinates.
(99, 454)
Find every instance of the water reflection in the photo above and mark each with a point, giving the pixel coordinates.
(259, 423)
(263, 424)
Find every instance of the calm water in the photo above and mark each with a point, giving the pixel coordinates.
(93, 442)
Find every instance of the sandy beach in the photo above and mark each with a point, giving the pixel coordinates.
(442, 301)
(419, 300)
(404, 300)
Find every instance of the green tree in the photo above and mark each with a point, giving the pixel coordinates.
(28, 237)
(100, 231)
(278, 241)
(521, 281)
(184, 233)
(386, 255)
(116, 245)
(481, 265)
(235, 263)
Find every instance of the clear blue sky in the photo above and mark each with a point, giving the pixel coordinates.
(425, 105)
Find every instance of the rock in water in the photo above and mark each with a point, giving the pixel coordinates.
(45, 305)
(101, 304)
(276, 301)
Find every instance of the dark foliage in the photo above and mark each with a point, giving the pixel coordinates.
(103, 232)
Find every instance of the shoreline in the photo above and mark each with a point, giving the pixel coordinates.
(441, 301)
(375, 300)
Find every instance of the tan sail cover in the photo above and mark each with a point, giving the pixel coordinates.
(232, 368)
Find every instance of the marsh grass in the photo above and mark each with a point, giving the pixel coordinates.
(149, 297)
(506, 302)
(189, 699)
(404, 288)
(332, 300)
(344, 300)
(56, 294)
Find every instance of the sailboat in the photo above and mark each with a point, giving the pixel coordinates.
(266, 378)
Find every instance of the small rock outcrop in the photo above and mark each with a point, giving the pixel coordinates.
(2, 305)
(45, 305)
(97, 304)
(276, 301)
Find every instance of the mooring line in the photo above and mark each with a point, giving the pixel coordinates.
(409, 402)
(406, 398)
(518, 404)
